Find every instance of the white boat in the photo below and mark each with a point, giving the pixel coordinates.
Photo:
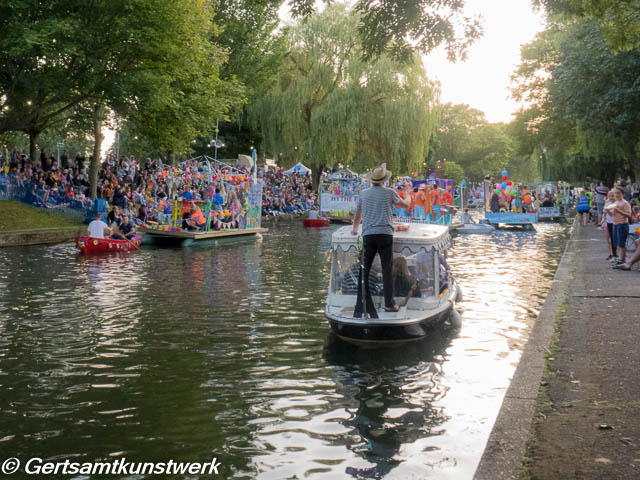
(468, 228)
(426, 295)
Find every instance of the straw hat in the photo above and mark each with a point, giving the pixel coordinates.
(379, 175)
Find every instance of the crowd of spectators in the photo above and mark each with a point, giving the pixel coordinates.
(616, 211)
(144, 190)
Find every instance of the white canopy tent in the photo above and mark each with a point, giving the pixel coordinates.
(298, 168)
(245, 161)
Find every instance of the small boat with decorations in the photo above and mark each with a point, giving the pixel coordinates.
(91, 245)
(424, 288)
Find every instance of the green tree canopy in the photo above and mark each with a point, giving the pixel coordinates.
(330, 106)
(466, 139)
(584, 121)
(618, 19)
(402, 28)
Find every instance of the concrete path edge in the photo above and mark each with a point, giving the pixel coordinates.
(507, 444)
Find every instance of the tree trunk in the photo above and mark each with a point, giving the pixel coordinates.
(33, 136)
(94, 167)
(316, 175)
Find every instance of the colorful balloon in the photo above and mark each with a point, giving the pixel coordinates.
(509, 183)
(505, 172)
(504, 177)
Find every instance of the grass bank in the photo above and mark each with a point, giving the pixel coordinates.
(19, 216)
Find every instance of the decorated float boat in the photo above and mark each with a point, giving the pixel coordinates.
(423, 286)
(502, 194)
(91, 245)
(188, 222)
(339, 197)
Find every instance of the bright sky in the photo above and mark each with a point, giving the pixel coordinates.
(483, 80)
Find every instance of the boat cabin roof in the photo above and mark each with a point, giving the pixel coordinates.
(417, 237)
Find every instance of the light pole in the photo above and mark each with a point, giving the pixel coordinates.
(215, 155)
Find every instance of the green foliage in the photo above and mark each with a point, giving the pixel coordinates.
(619, 19)
(584, 121)
(150, 61)
(455, 126)
(249, 34)
(453, 171)
(467, 140)
(403, 28)
(330, 106)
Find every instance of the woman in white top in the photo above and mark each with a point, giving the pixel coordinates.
(608, 223)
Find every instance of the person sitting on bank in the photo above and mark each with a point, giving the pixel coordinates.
(375, 211)
(97, 227)
(125, 231)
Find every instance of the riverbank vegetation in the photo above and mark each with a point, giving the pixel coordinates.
(19, 216)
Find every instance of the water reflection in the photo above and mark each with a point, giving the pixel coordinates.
(223, 351)
(396, 390)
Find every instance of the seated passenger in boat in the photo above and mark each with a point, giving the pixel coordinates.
(444, 272)
(349, 282)
(548, 201)
(403, 282)
(97, 227)
(313, 214)
(125, 231)
(189, 221)
(466, 217)
(495, 203)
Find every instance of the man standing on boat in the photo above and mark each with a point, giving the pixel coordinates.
(375, 211)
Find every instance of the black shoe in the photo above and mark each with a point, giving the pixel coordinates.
(609, 257)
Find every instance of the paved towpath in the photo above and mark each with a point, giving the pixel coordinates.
(585, 352)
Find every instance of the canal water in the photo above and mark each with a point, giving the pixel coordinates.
(189, 354)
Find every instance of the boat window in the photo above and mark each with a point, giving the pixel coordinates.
(419, 267)
(345, 270)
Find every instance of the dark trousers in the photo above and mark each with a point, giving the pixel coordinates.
(383, 245)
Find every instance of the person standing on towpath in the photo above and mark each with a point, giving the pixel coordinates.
(375, 211)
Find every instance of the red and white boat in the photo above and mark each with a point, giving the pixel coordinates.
(88, 245)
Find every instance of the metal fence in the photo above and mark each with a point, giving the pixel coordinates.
(37, 195)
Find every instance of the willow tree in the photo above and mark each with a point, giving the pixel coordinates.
(330, 106)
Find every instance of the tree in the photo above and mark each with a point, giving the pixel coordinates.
(402, 28)
(330, 106)
(619, 19)
(150, 61)
(455, 126)
(468, 141)
(584, 123)
(255, 46)
(488, 150)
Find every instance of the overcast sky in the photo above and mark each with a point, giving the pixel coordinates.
(483, 80)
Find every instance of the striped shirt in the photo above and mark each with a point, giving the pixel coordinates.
(377, 204)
